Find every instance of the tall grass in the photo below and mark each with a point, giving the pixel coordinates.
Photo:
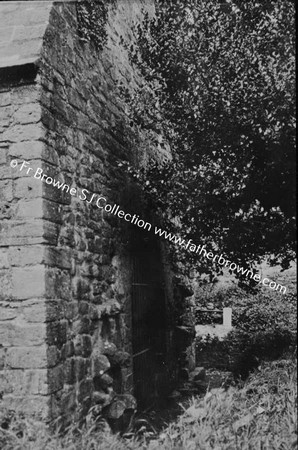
(259, 415)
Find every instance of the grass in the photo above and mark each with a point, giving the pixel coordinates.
(260, 415)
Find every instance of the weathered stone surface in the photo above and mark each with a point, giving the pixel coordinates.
(33, 310)
(109, 349)
(129, 401)
(55, 378)
(26, 255)
(57, 333)
(105, 381)
(116, 409)
(28, 282)
(23, 383)
(17, 332)
(27, 357)
(100, 364)
(7, 312)
(63, 266)
(27, 132)
(57, 283)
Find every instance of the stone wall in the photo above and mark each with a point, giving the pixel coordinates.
(23, 350)
(65, 304)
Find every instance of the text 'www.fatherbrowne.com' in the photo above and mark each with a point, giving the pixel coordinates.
(101, 202)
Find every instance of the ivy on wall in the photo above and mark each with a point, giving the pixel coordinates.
(92, 20)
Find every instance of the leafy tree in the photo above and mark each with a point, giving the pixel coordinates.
(219, 89)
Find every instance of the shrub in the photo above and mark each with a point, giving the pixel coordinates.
(246, 350)
(264, 329)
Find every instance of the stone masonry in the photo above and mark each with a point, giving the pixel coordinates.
(65, 268)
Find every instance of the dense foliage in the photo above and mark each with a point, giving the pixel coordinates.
(264, 328)
(219, 90)
(92, 20)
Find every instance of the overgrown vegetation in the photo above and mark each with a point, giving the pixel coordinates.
(265, 328)
(260, 311)
(219, 90)
(259, 414)
(92, 21)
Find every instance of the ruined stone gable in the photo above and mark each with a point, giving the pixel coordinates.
(71, 274)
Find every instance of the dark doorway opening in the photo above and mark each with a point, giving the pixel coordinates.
(149, 324)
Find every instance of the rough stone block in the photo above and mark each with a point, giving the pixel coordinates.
(24, 382)
(27, 132)
(57, 284)
(7, 311)
(20, 333)
(57, 333)
(22, 232)
(24, 94)
(54, 311)
(30, 208)
(116, 409)
(99, 364)
(26, 255)
(30, 150)
(103, 382)
(33, 311)
(38, 208)
(28, 113)
(55, 378)
(58, 257)
(27, 187)
(67, 350)
(84, 325)
(28, 282)
(26, 357)
(71, 311)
